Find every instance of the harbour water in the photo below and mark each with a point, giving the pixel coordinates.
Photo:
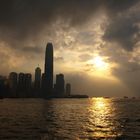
(70, 119)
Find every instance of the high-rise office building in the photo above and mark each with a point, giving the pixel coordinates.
(60, 85)
(37, 83)
(43, 81)
(24, 84)
(3, 91)
(2, 81)
(28, 82)
(68, 89)
(48, 71)
(13, 81)
(13, 84)
(21, 82)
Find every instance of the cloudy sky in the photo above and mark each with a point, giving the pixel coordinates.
(96, 42)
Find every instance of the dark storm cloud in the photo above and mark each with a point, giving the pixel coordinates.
(22, 18)
(116, 6)
(124, 30)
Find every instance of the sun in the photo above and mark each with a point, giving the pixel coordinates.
(99, 66)
(99, 63)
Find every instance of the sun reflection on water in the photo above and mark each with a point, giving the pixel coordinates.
(101, 118)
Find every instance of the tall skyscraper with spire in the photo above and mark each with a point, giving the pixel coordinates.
(48, 71)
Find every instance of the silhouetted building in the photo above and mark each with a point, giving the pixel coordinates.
(21, 82)
(43, 85)
(37, 83)
(68, 89)
(24, 84)
(28, 82)
(60, 85)
(43, 82)
(3, 87)
(2, 80)
(13, 83)
(48, 71)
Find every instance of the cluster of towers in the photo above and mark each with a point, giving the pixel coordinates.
(21, 85)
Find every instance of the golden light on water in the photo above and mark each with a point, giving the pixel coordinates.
(100, 103)
(102, 114)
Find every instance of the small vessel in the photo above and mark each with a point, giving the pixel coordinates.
(107, 97)
(125, 97)
(133, 97)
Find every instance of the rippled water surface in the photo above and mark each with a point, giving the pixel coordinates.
(74, 119)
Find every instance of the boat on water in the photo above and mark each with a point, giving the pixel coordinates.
(125, 97)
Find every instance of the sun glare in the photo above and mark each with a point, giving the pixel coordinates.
(99, 63)
(100, 67)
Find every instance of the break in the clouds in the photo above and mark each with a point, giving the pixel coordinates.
(80, 30)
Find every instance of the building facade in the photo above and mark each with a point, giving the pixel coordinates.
(37, 82)
(48, 71)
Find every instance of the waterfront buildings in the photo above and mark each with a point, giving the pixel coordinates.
(20, 85)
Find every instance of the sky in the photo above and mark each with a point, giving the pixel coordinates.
(96, 42)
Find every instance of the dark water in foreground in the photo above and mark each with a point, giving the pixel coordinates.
(74, 119)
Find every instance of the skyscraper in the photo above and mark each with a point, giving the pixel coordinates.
(13, 81)
(21, 82)
(24, 84)
(68, 89)
(48, 71)
(37, 83)
(60, 83)
(3, 87)
(28, 82)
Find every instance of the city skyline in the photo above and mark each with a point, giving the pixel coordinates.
(21, 85)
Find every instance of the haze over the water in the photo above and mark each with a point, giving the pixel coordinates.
(96, 43)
